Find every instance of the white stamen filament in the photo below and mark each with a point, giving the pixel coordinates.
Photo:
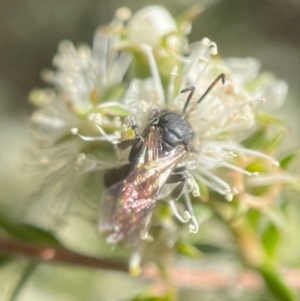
(183, 219)
(194, 186)
(120, 67)
(135, 263)
(202, 61)
(195, 226)
(248, 151)
(181, 58)
(217, 180)
(111, 104)
(211, 185)
(213, 49)
(227, 113)
(155, 73)
(194, 58)
(232, 127)
(171, 85)
(234, 167)
(112, 138)
(89, 165)
(269, 179)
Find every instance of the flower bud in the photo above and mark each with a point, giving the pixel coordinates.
(149, 25)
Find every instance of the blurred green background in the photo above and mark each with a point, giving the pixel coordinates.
(30, 30)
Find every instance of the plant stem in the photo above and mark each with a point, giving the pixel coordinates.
(58, 255)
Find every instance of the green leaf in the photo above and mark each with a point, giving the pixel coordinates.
(269, 134)
(255, 140)
(211, 249)
(270, 121)
(286, 161)
(280, 290)
(26, 232)
(254, 217)
(188, 249)
(270, 239)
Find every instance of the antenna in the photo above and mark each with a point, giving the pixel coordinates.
(192, 89)
(221, 76)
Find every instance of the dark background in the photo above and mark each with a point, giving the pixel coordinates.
(31, 29)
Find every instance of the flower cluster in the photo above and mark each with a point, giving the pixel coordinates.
(138, 64)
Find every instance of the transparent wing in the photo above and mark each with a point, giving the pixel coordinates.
(126, 206)
(120, 218)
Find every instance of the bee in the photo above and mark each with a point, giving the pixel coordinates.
(156, 158)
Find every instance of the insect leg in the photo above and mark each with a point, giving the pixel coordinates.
(133, 125)
(117, 174)
(177, 178)
(127, 143)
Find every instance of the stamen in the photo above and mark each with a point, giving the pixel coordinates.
(135, 264)
(87, 164)
(119, 67)
(171, 85)
(205, 41)
(213, 49)
(48, 121)
(197, 57)
(195, 188)
(117, 122)
(181, 58)
(144, 106)
(228, 155)
(80, 158)
(111, 138)
(229, 195)
(194, 227)
(96, 118)
(250, 152)
(186, 216)
(212, 46)
(100, 45)
(270, 179)
(217, 180)
(111, 104)
(147, 237)
(243, 171)
(209, 184)
(232, 127)
(227, 113)
(155, 73)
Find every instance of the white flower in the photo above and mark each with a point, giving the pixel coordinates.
(220, 122)
(81, 105)
(84, 74)
(149, 25)
(78, 103)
